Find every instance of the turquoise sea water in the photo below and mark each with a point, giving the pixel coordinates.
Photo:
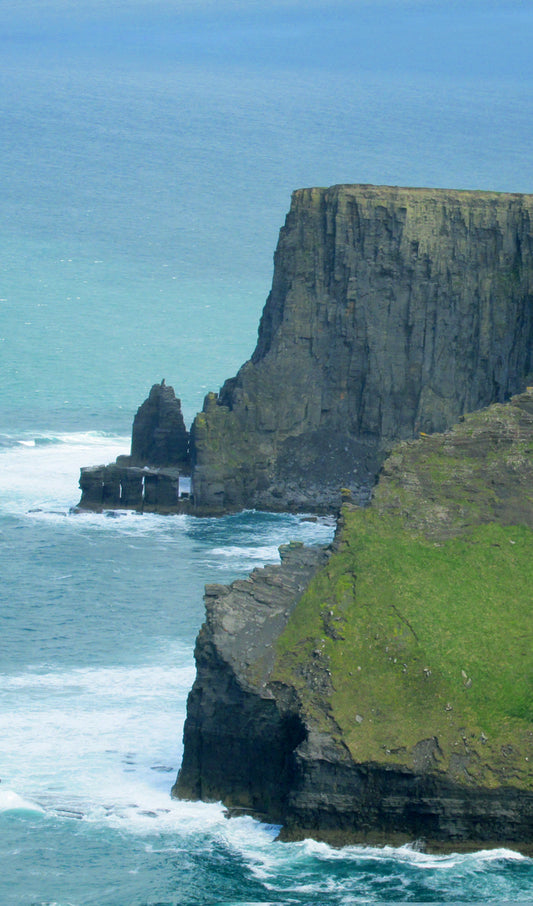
(148, 153)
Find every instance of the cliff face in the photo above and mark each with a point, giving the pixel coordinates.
(390, 699)
(233, 748)
(392, 311)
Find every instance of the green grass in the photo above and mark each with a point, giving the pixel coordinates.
(422, 639)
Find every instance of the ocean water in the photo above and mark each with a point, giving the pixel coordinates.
(148, 152)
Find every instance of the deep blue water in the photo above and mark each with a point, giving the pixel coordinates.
(148, 151)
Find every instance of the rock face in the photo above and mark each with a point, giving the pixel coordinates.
(392, 311)
(122, 486)
(389, 700)
(159, 436)
(233, 748)
(481, 471)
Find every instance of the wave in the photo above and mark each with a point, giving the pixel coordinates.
(96, 739)
(235, 554)
(73, 438)
(41, 471)
(358, 874)
(12, 802)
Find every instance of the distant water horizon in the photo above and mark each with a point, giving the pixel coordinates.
(149, 151)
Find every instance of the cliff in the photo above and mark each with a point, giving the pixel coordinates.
(392, 311)
(382, 690)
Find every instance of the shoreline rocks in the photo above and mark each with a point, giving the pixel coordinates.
(148, 480)
(124, 487)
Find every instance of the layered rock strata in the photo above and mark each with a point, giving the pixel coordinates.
(125, 487)
(392, 311)
(233, 748)
(391, 699)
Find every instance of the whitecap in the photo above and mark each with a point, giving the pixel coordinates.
(265, 553)
(41, 472)
(93, 736)
(12, 802)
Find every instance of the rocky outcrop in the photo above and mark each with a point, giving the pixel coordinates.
(122, 486)
(148, 480)
(480, 471)
(159, 436)
(392, 311)
(390, 700)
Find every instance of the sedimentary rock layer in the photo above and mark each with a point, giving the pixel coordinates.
(234, 748)
(392, 311)
(390, 699)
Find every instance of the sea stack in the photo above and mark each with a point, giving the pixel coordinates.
(159, 436)
(148, 480)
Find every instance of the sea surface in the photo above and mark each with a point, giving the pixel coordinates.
(148, 151)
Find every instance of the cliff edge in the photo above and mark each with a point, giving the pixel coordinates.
(392, 311)
(382, 690)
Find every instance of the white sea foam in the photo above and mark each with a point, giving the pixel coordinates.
(98, 743)
(11, 801)
(234, 554)
(310, 867)
(42, 472)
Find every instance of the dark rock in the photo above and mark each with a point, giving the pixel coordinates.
(148, 490)
(159, 436)
(148, 480)
(239, 737)
(92, 487)
(392, 311)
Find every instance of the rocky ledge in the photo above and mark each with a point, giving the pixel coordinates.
(381, 691)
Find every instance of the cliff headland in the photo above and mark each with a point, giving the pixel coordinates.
(392, 311)
(381, 691)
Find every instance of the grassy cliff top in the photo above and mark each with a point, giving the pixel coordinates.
(414, 646)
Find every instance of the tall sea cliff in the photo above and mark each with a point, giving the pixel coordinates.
(382, 688)
(392, 311)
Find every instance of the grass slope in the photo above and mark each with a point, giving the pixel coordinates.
(405, 637)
